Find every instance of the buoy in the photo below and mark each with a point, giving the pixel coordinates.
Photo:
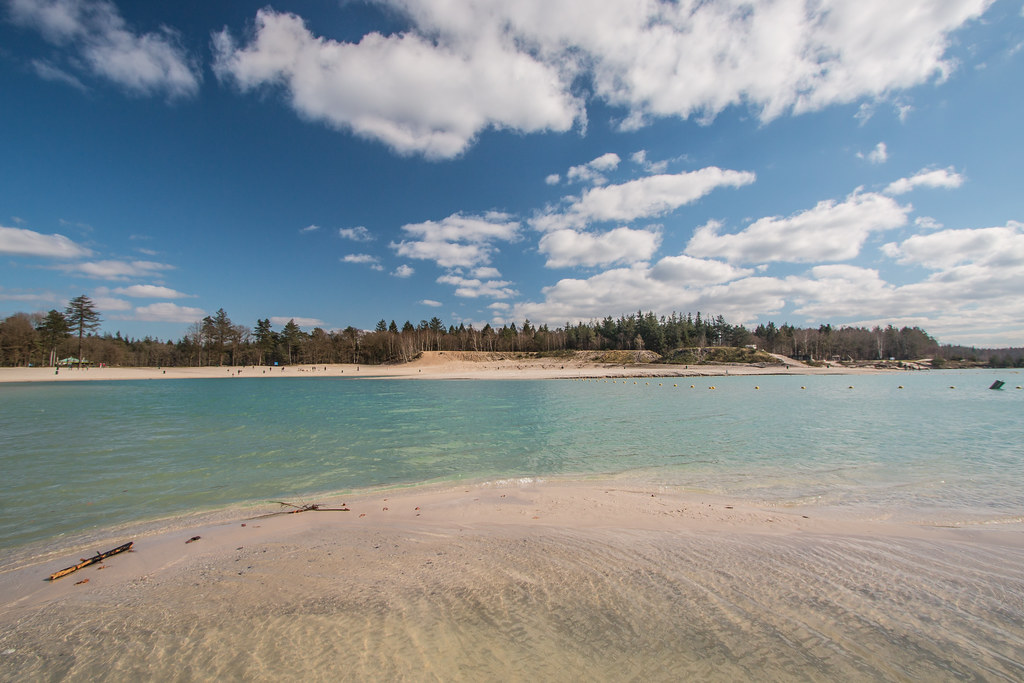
(757, 387)
(952, 387)
(803, 387)
(691, 386)
(851, 386)
(900, 386)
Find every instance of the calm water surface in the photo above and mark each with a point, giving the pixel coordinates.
(84, 456)
(519, 604)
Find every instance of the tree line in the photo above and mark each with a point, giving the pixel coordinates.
(48, 338)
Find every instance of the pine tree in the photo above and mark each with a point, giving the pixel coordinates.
(53, 330)
(292, 335)
(82, 317)
(264, 339)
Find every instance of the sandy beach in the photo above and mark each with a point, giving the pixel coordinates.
(438, 365)
(519, 579)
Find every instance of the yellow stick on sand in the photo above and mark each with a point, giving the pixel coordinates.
(92, 560)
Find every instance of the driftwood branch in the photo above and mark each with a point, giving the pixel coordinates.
(92, 560)
(315, 507)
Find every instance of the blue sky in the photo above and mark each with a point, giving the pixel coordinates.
(552, 160)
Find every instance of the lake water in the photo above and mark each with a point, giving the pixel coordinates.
(520, 603)
(88, 456)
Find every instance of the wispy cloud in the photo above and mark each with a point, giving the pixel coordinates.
(168, 313)
(116, 270)
(49, 72)
(104, 45)
(282, 320)
(645, 197)
(360, 258)
(356, 234)
(150, 292)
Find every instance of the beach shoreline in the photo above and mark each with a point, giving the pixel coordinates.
(439, 365)
(568, 545)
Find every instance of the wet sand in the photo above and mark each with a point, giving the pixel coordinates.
(525, 580)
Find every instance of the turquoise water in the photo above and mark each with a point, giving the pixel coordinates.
(77, 457)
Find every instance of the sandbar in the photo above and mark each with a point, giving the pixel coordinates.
(524, 579)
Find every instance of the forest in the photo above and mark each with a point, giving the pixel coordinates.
(45, 339)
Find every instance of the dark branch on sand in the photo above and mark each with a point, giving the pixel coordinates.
(315, 507)
(85, 562)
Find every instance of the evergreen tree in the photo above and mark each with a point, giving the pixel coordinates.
(292, 336)
(265, 341)
(52, 332)
(82, 317)
(220, 331)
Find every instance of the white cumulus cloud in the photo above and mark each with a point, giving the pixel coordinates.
(457, 241)
(413, 93)
(474, 288)
(693, 59)
(687, 270)
(943, 178)
(998, 248)
(593, 171)
(568, 248)
(30, 243)
(830, 231)
(878, 155)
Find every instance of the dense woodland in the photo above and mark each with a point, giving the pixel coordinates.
(48, 338)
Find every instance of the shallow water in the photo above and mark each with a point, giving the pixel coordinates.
(550, 605)
(78, 457)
